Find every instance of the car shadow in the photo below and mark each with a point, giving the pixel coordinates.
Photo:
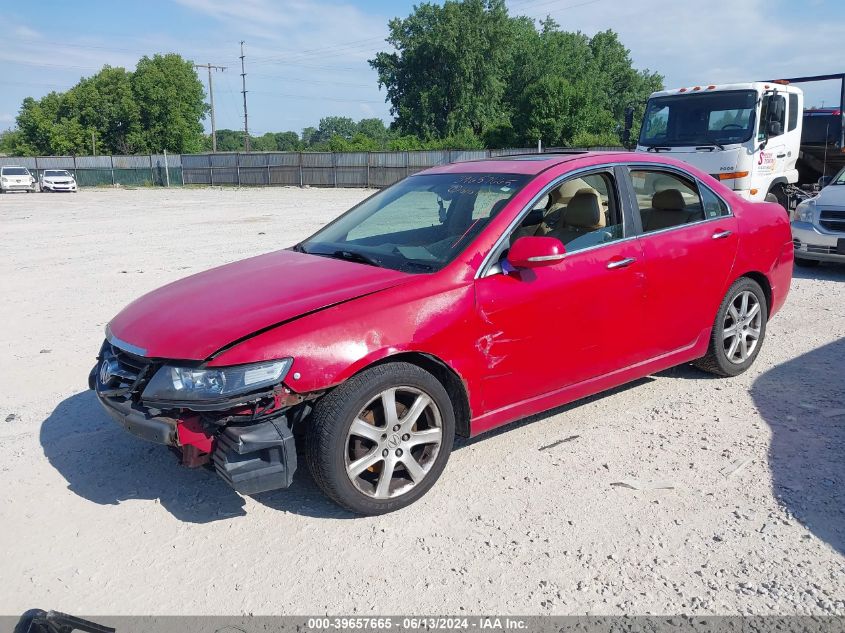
(825, 271)
(803, 402)
(462, 442)
(104, 464)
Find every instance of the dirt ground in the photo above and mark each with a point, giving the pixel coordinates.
(748, 515)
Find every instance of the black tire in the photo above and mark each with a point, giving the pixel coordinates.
(326, 447)
(806, 263)
(716, 360)
(777, 194)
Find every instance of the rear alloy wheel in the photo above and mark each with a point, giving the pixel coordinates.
(739, 330)
(379, 441)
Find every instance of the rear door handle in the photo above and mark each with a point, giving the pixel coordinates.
(621, 263)
(720, 235)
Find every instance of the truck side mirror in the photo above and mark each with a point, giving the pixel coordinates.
(774, 128)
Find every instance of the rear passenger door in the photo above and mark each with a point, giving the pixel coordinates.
(689, 242)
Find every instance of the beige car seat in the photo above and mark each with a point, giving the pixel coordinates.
(667, 209)
(582, 215)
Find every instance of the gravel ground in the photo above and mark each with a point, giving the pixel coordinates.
(741, 508)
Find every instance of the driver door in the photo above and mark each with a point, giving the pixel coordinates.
(547, 328)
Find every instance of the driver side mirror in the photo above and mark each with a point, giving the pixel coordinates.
(774, 128)
(824, 181)
(535, 252)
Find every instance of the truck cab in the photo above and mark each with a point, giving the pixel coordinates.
(747, 135)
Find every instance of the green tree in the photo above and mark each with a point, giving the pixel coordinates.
(308, 136)
(106, 105)
(374, 129)
(447, 75)
(171, 104)
(287, 142)
(469, 67)
(332, 126)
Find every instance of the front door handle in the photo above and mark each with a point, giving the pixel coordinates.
(720, 235)
(781, 155)
(621, 263)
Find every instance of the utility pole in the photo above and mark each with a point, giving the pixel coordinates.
(243, 83)
(211, 98)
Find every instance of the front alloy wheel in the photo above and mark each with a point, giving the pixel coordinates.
(379, 441)
(393, 442)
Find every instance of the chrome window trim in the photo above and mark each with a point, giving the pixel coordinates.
(487, 267)
(698, 182)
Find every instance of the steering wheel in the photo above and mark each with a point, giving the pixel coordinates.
(736, 126)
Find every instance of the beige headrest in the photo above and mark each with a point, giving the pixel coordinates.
(584, 211)
(564, 193)
(668, 200)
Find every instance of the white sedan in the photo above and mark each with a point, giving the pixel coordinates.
(57, 180)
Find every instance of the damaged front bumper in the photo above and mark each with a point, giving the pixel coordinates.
(252, 453)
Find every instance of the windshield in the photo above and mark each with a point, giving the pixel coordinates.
(15, 171)
(697, 119)
(419, 224)
(839, 179)
(53, 173)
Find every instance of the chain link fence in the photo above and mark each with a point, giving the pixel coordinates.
(296, 169)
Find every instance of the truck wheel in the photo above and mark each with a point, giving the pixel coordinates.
(379, 441)
(777, 194)
(806, 263)
(738, 331)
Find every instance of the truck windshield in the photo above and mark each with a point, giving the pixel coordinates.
(699, 118)
(419, 224)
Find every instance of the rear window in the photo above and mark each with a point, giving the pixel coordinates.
(15, 171)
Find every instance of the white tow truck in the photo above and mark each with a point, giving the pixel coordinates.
(747, 135)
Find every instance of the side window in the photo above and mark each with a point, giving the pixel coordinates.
(714, 207)
(793, 111)
(665, 199)
(773, 110)
(581, 212)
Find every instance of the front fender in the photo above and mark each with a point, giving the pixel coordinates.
(333, 344)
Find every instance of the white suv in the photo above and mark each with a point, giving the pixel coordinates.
(16, 178)
(818, 225)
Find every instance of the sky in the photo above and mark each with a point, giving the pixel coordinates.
(306, 59)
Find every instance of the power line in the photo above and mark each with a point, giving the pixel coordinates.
(211, 67)
(246, 116)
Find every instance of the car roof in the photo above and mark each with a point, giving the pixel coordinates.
(534, 164)
(12, 167)
(529, 164)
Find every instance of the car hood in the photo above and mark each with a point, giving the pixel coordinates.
(832, 195)
(192, 318)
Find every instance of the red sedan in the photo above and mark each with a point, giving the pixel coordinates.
(460, 299)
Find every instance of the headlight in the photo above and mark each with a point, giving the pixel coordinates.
(189, 384)
(804, 212)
